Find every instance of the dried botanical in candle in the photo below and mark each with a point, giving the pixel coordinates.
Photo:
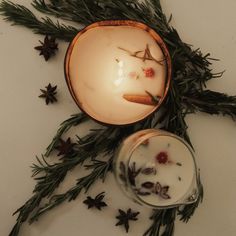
(162, 157)
(161, 191)
(147, 185)
(133, 172)
(164, 171)
(149, 72)
(149, 171)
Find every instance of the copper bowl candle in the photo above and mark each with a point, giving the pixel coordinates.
(157, 169)
(118, 72)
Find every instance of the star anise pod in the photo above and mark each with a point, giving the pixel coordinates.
(65, 147)
(96, 202)
(48, 47)
(125, 217)
(49, 94)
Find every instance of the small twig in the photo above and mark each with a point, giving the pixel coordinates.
(146, 55)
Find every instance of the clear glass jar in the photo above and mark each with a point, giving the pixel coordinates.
(156, 168)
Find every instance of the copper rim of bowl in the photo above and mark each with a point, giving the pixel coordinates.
(135, 24)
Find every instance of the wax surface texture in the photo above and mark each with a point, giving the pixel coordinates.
(115, 71)
(173, 170)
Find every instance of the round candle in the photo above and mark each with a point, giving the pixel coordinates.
(117, 73)
(157, 168)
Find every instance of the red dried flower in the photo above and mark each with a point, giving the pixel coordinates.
(149, 72)
(162, 157)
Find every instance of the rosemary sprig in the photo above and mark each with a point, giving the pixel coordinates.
(187, 211)
(99, 171)
(74, 120)
(163, 223)
(51, 175)
(21, 15)
(211, 102)
(191, 71)
(66, 10)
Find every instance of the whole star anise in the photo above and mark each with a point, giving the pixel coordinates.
(96, 202)
(49, 94)
(65, 147)
(48, 47)
(125, 217)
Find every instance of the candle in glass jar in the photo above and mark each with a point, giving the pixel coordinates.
(118, 74)
(157, 169)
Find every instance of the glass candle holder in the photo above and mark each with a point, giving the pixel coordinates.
(157, 169)
(118, 72)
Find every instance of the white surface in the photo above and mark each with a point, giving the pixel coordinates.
(27, 126)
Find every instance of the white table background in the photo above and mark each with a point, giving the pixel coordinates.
(27, 126)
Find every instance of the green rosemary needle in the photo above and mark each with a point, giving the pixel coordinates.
(191, 71)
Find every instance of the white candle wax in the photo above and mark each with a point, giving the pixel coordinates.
(174, 170)
(105, 73)
(157, 169)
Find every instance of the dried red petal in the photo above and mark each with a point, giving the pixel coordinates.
(149, 72)
(162, 157)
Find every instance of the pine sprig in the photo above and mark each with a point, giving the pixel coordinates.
(20, 15)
